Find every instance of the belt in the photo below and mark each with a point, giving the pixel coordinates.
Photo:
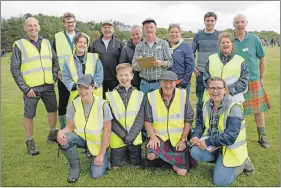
(150, 81)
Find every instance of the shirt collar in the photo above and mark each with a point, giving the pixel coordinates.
(29, 39)
(156, 41)
(246, 36)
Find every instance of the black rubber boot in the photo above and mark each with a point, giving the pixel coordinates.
(73, 158)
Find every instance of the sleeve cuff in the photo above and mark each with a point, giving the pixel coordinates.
(207, 141)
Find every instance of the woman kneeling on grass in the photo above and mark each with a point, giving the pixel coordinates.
(89, 126)
(221, 135)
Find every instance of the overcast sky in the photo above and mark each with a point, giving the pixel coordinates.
(262, 15)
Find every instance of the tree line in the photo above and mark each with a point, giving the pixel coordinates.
(12, 29)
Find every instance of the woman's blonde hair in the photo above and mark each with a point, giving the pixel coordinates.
(230, 37)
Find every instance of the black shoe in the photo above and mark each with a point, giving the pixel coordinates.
(52, 137)
(263, 141)
(31, 149)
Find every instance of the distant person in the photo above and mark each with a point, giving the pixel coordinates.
(205, 43)
(220, 138)
(34, 66)
(183, 57)
(109, 49)
(64, 46)
(3, 51)
(128, 51)
(156, 47)
(271, 42)
(278, 42)
(249, 46)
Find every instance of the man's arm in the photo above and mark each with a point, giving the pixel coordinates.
(67, 78)
(136, 55)
(123, 56)
(242, 83)
(206, 75)
(262, 69)
(54, 45)
(55, 67)
(15, 69)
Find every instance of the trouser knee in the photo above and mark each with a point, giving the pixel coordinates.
(151, 156)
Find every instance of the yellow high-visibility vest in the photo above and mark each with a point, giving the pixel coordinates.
(90, 69)
(235, 154)
(63, 49)
(91, 128)
(36, 68)
(168, 124)
(126, 116)
(229, 71)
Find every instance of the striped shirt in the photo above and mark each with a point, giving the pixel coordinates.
(159, 50)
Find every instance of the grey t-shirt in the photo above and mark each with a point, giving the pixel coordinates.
(107, 116)
(105, 43)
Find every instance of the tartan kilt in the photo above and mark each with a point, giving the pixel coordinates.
(256, 100)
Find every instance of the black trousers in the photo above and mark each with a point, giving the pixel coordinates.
(109, 85)
(63, 98)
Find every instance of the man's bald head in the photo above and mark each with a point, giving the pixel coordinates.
(32, 27)
(240, 23)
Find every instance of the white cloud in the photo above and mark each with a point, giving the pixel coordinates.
(261, 15)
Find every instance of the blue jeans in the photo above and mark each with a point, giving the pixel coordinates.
(222, 176)
(199, 95)
(96, 171)
(146, 87)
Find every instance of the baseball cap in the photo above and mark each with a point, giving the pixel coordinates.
(107, 22)
(86, 80)
(147, 20)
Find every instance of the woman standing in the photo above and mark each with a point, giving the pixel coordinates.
(182, 56)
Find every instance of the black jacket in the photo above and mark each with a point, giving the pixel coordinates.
(126, 56)
(128, 137)
(109, 57)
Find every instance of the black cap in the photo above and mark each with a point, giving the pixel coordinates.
(148, 20)
(168, 75)
(86, 80)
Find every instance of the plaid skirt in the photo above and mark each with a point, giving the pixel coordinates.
(256, 100)
(168, 153)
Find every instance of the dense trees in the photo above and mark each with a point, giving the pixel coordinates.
(12, 29)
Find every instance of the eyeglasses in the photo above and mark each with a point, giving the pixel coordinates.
(70, 22)
(219, 89)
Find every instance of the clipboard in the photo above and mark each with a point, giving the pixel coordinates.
(145, 62)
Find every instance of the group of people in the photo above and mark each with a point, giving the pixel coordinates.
(107, 102)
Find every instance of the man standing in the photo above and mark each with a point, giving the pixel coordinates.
(63, 46)
(109, 49)
(249, 46)
(34, 66)
(128, 51)
(159, 49)
(206, 43)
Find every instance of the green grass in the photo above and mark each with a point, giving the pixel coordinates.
(46, 169)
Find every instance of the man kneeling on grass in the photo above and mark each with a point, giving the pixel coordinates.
(88, 126)
(168, 118)
(127, 105)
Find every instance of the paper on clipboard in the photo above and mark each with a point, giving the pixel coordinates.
(145, 62)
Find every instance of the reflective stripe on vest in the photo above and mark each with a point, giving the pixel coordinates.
(36, 68)
(90, 129)
(168, 124)
(63, 49)
(125, 116)
(235, 154)
(90, 69)
(230, 72)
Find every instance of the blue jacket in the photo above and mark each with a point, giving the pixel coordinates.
(183, 63)
(67, 78)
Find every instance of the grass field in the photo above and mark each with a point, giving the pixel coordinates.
(46, 169)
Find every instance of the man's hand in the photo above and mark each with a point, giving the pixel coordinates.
(98, 161)
(195, 141)
(61, 138)
(59, 75)
(157, 63)
(153, 143)
(31, 93)
(261, 81)
(196, 72)
(202, 145)
(180, 146)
